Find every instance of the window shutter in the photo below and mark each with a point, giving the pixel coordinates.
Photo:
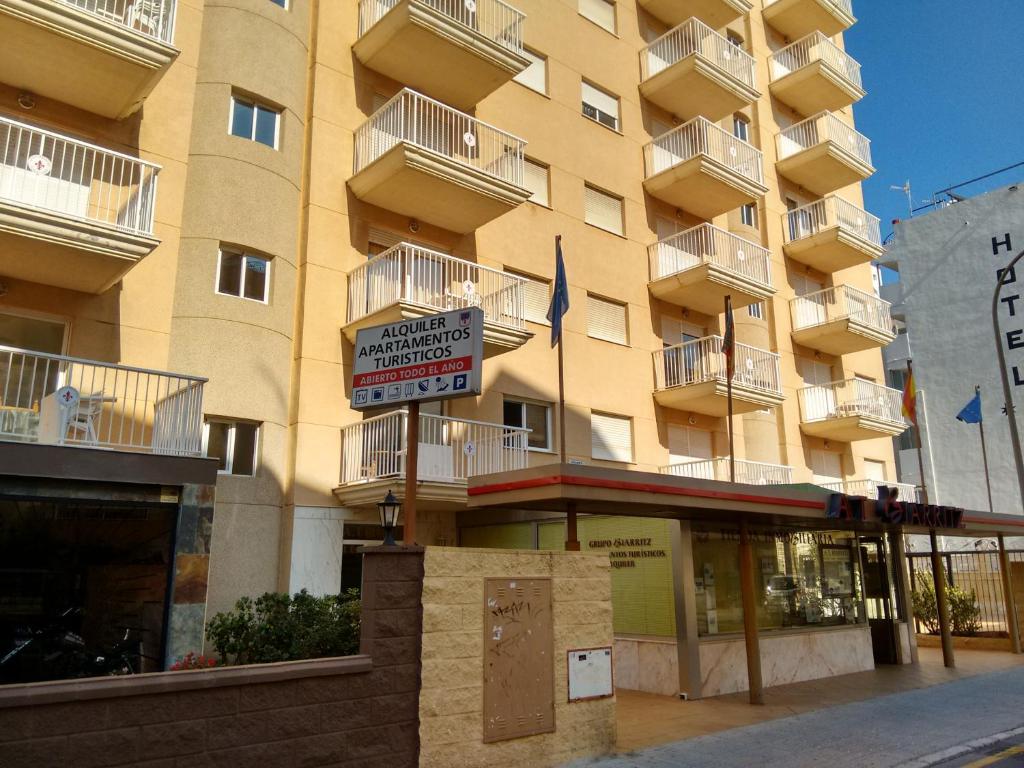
(606, 320)
(534, 76)
(535, 179)
(605, 102)
(611, 437)
(602, 210)
(601, 12)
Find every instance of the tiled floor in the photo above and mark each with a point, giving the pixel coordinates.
(646, 720)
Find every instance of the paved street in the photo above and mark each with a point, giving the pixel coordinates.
(915, 729)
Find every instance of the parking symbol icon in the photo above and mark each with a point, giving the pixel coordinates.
(460, 381)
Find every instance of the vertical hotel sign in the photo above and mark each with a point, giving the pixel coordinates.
(429, 358)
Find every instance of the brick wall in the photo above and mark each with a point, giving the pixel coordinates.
(451, 699)
(357, 711)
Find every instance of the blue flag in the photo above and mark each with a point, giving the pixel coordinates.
(971, 413)
(559, 297)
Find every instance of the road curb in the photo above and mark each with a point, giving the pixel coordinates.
(961, 749)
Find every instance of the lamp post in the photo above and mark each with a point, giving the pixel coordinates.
(1007, 394)
(389, 509)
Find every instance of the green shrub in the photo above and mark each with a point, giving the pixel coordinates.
(964, 612)
(276, 627)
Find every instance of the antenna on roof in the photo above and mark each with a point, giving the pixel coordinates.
(905, 189)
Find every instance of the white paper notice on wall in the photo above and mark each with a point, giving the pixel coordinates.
(590, 674)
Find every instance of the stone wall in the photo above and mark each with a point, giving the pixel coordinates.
(451, 700)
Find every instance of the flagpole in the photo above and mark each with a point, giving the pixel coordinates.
(572, 542)
(728, 390)
(984, 453)
(917, 435)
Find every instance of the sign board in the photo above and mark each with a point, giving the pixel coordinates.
(590, 674)
(519, 664)
(436, 357)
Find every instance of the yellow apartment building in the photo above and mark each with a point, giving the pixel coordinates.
(201, 203)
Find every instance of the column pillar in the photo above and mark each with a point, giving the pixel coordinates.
(685, 593)
(906, 603)
(1011, 607)
(749, 595)
(941, 603)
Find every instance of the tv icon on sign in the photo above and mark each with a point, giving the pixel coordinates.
(377, 395)
(361, 396)
(460, 381)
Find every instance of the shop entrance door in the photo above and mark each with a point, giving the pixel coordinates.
(878, 600)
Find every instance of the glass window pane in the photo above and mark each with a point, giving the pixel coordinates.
(266, 126)
(230, 280)
(256, 278)
(537, 420)
(244, 462)
(241, 119)
(217, 443)
(513, 414)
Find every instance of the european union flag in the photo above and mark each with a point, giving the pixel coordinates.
(971, 413)
(560, 296)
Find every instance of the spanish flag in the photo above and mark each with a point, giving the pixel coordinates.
(910, 396)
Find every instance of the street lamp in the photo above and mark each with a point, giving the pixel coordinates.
(389, 509)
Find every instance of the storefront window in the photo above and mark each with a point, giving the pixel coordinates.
(802, 578)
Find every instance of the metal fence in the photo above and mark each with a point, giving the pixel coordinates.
(823, 127)
(702, 360)
(852, 397)
(495, 20)
(840, 303)
(153, 18)
(707, 244)
(815, 47)
(869, 489)
(749, 472)
(702, 137)
(693, 37)
(832, 211)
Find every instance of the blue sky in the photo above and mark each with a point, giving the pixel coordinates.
(945, 103)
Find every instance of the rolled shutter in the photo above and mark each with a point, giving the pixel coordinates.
(601, 12)
(606, 320)
(611, 437)
(605, 102)
(534, 76)
(535, 179)
(602, 210)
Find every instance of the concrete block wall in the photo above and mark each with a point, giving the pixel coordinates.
(451, 698)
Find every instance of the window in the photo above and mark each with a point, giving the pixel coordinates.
(756, 310)
(534, 416)
(611, 437)
(734, 39)
(748, 215)
(243, 275)
(536, 178)
(606, 320)
(282, 3)
(600, 106)
(536, 298)
(741, 128)
(233, 443)
(254, 122)
(601, 12)
(535, 76)
(602, 210)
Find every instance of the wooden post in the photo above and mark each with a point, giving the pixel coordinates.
(749, 597)
(941, 603)
(412, 450)
(1008, 601)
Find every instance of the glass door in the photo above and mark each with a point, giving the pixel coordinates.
(878, 600)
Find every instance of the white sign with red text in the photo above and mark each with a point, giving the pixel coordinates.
(429, 358)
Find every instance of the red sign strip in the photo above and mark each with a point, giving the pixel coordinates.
(409, 372)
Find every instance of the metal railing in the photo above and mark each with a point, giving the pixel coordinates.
(420, 276)
(413, 118)
(700, 136)
(153, 18)
(840, 303)
(695, 38)
(702, 360)
(450, 450)
(816, 130)
(495, 20)
(707, 243)
(811, 48)
(46, 171)
(808, 220)
(748, 472)
(845, 6)
(59, 400)
(853, 397)
(869, 488)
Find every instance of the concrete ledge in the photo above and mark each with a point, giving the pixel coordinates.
(967, 643)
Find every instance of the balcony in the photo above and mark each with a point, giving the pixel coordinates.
(703, 169)
(692, 377)
(850, 410)
(408, 281)
(714, 13)
(814, 74)
(373, 454)
(698, 268)
(796, 18)
(841, 320)
(104, 56)
(72, 215)
(869, 489)
(458, 51)
(747, 472)
(57, 400)
(823, 154)
(417, 157)
(831, 234)
(692, 70)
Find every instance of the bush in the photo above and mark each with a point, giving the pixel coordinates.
(276, 627)
(964, 612)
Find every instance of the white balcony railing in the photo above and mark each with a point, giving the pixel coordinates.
(415, 119)
(694, 37)
(808, 220)
(450, 450)
(702, 137)
(853, 397)
(702, 360)
(153, 18)
(57, 400)
(819, 129)
(748, 472)
(409, 273)
(815, 47)
(707, 243)
(869, 488)
(49, 172)
(840, 303)
(495, 20)
(846, 6)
